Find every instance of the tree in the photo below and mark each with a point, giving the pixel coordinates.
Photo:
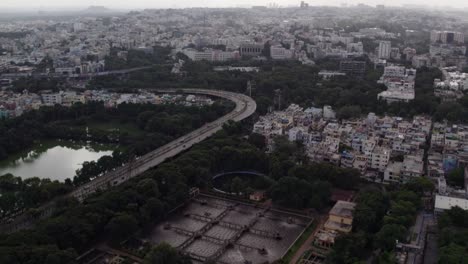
(153, 210)
(165, 254)
(348, 249)
(420, 185)
(371, 208)
(237, 185)
(257, 140)
(349, 111)
(121, 227)
(453, 254)
(456, 178)
(387, 236)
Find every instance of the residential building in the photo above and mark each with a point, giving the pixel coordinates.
(280, 53)
(447, 37)
(340, 217)
(251, 49)
(384, 50)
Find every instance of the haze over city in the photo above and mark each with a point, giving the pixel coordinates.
(233, 131)
(139, 4)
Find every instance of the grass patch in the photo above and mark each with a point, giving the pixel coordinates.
(302, 239)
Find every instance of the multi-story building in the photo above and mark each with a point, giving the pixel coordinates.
(251, 49)
(51, 98)
(384, 49)
(379, 158)
(400, 84)
(280, 53)
(353, 67)
(340, 217)
(447, 37)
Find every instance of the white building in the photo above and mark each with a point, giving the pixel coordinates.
(280, 53)
(51, 98)
(393, 172)
(380, 158)
(355, 47)
(447, 37)
(328, 112)
(394, 71)
(385, 48)
(413, 166)
(400, 84)
(443, 203)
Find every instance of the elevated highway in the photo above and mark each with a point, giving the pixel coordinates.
(245, 107)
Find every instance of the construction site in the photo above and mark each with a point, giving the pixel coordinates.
(225, 231)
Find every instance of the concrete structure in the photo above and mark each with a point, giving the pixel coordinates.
(443, 203)
(330, 74)
(400, 83)
(251, 49)
(51, 98)
(447, 37)
(384, 49)
(218, 230)
(340, 217)
(280, 53)
(379, 158)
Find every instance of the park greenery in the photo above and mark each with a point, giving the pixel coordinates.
(300, 84)
(135, 128)
(34, 85)
(17, 193)
(453, 236)
(381, 217)
(133, 207)
(136, 58)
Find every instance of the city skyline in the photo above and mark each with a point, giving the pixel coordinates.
(139, 4)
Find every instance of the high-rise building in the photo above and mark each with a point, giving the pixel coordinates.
(385, 49)
(447, 37)
(251, 49)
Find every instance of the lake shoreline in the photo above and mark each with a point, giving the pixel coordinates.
(54, 159)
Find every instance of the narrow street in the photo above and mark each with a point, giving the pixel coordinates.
(419, 229)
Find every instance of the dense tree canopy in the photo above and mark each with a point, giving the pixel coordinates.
(380, 219)
(144, 128)
(453, 236)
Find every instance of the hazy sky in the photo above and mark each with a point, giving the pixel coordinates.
(136, 4)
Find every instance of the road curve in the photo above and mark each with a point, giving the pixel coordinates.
(245, 107)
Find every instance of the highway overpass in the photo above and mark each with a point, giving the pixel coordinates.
(245, 107)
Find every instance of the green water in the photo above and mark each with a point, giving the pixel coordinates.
(56, 160)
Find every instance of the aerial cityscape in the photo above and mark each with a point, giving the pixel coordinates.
(234, 133)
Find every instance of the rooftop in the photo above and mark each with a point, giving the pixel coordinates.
(447, 202)
(343, 209)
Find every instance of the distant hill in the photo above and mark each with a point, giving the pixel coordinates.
(96, 9)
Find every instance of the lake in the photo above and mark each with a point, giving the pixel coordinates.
(56, 160)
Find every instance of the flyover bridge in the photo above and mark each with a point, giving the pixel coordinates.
(245, 107)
